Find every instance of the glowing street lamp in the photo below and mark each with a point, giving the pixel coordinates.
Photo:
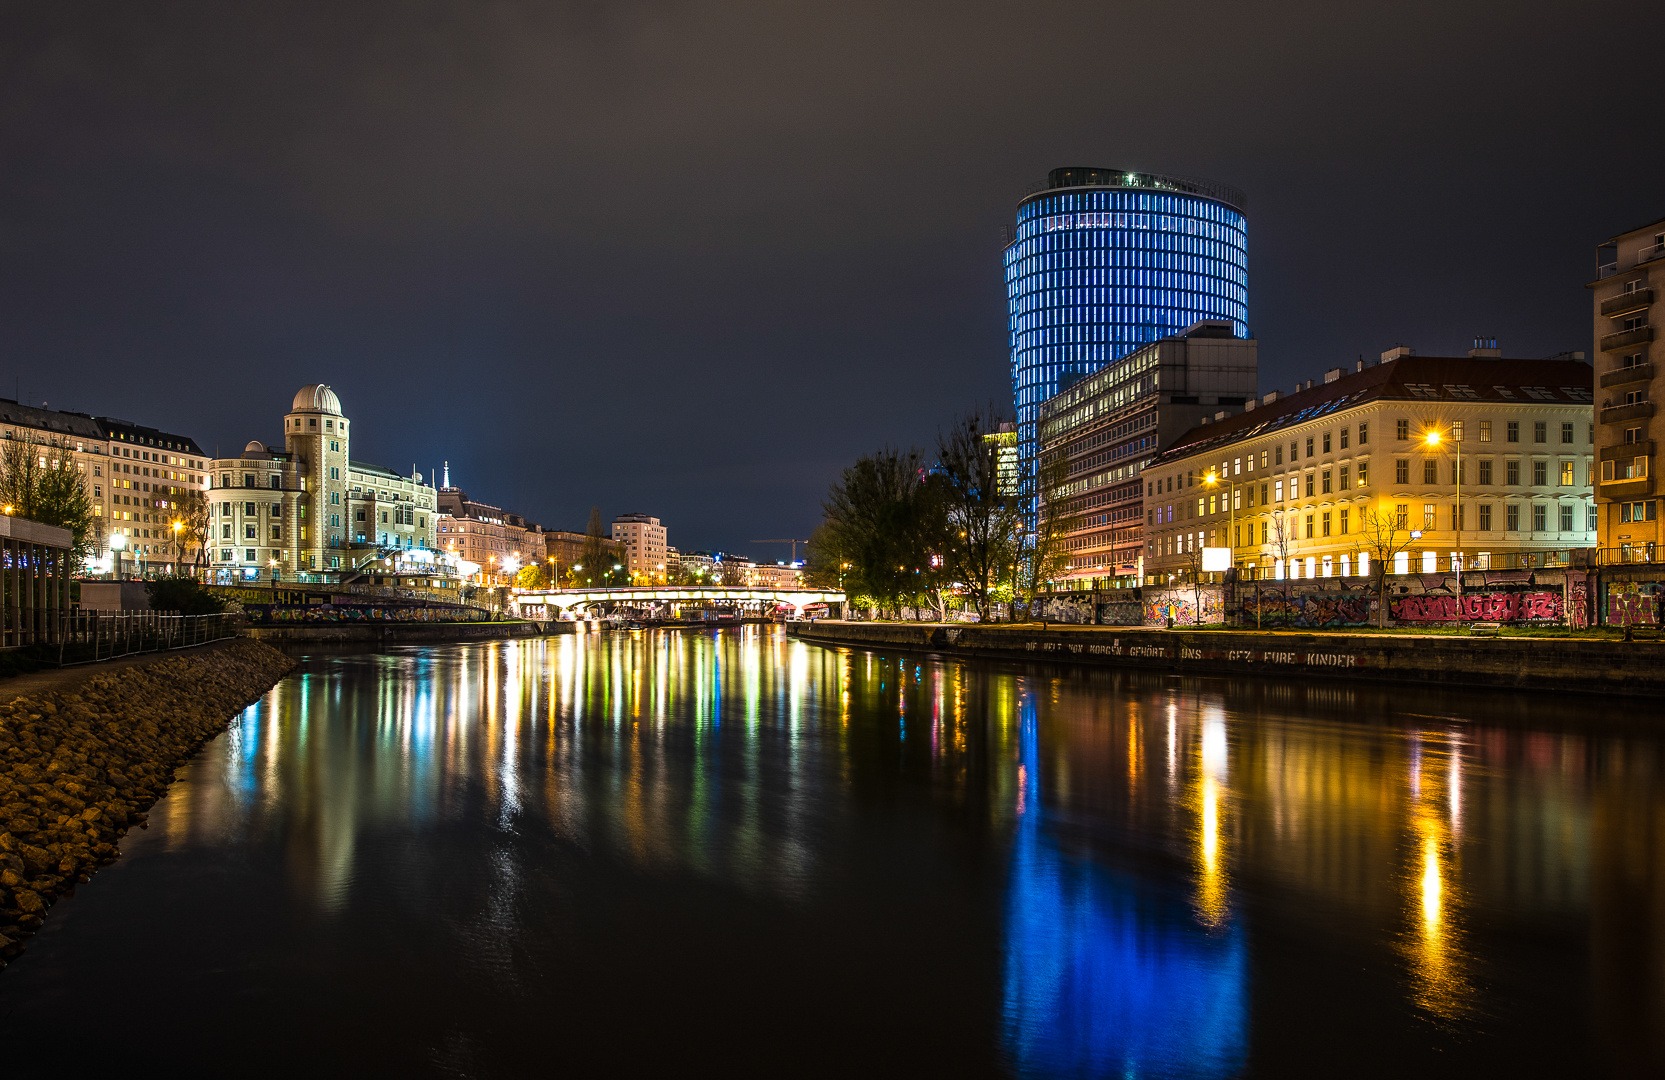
(1433, 438)
(117, 542)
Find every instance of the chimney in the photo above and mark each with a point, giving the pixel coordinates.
(1332, 375)
(1248, 406)
(1485, 348)
(1270, 397)
(1396, 352)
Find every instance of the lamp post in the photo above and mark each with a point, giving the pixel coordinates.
(1434, 438)
(117, 542)
(176, 526)
(272, 564)
(1213, 480)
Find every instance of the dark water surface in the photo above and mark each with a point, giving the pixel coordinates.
(730, 853)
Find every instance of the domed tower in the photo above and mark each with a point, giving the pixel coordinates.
(317, 435)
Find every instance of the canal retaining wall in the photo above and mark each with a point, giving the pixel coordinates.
(1583, 665)
(395, 633)
(78, 765)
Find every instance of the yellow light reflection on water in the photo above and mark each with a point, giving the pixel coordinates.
(1213, 880)
(1435, 946)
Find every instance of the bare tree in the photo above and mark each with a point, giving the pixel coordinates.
(41, 481)
(193, 509)
(1281, 547)
(980, 500)
(1379, 537)
(1042, 555)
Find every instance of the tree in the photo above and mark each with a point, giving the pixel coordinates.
(1379, 532)
(1043, 557)
(532, 576)
(182, 594)
(984, 515)
(730, 573)
(193, 510)
(880, 518)
(40, 481)
(600, 562)
(1281, 546)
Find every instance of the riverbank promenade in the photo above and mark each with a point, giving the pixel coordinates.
(1593, 662)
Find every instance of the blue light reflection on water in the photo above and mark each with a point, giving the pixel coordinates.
(1103, 977)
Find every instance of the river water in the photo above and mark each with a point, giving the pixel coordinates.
(671, 853)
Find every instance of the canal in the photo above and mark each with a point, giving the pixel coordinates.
(665, 853)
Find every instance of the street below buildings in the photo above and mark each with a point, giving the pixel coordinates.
(668, 852)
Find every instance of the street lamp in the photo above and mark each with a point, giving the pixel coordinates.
(1433, 439)
(176, 526)
(117, 542)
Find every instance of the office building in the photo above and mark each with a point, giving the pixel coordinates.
(1630, 276)
(1099, 434)
(1103, 262)
(1302, 483)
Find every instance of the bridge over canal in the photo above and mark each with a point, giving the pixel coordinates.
(529, 601)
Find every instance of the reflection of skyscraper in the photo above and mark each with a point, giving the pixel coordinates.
(1105, 976)
(1104, 261)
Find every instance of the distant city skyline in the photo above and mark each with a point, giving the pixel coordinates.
(626, 261)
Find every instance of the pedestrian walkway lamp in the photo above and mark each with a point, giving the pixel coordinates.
(1433, 438)
(117, 542)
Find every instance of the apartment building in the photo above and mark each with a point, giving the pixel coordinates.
(496, 541)
(1630, 278)
(1296, 486)
(643, 538)
(1101, 432)
(134, 476)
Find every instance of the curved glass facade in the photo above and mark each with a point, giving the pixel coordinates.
(1104, 262)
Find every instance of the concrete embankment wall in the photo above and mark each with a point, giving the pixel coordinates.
(78, 765)
(395, 633)
(1517, 663)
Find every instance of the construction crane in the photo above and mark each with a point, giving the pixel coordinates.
(794, 544)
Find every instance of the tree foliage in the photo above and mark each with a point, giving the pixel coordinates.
(185, 595)
(885, 524)
(40, 481)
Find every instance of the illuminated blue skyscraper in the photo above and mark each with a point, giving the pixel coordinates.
(1105, 261)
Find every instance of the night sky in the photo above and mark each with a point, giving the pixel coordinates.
(691, 259)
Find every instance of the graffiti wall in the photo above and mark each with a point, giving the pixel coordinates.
(1075, 608)
(1633, 603)
(1184, 606)
(1271, 606)
(275, 614)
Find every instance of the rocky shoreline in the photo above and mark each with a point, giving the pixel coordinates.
(79, 766)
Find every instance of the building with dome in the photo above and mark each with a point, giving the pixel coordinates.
(309, 507)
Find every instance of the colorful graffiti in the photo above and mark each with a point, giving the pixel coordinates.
(1634, 603)
(1181, 606)
(1307, 609)
(328, 613)
(1533, 608)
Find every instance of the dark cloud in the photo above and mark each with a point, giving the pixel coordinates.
(691, 258)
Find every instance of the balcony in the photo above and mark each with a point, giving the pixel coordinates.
(1626, 451)
(1618, 414)
(1626, 338)
(1620, 490)
(1623, 376)
(1625, 303)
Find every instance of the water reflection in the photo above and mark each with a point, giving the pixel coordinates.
(1076, 873)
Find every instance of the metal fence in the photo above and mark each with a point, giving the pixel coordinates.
(79, 636)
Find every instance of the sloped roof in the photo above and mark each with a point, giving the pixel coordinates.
(1409, 378)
